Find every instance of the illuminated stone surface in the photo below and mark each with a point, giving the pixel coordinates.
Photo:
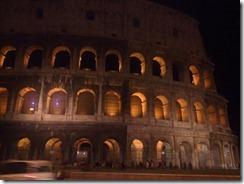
(158, 102)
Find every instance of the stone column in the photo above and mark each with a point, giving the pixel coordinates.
(100, 97)
(195, 157)
(40, 101)
(19, 64)
(66, 150)
(223, 155)
(150, 110)
(175, 154)
(70, 103)
(11, 104)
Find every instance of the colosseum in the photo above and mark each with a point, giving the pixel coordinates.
(109, 81)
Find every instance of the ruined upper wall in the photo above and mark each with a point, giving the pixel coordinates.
(132, 20)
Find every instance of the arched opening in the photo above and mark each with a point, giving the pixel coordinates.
(176, 73)
(212, 116)
(207, 79)
(159, 67)
(61, 58)
(181, 110)
(138, 105)
(222, 117)
(199, 113)
(23, 148)
(112, 104)
(86, 102)
(194, 75)
(88, 59)
(53, 149)
(137, 63)
(111, 152)
(216, 157)
(27, 101)
(83, 151)
(3, 100)
(113, 61)
(7, 57)
(203, 155)
(161, 108)
(185, 155)
(164, 153)
(33, 57)
(56, 101)
(227, 156)
(136, 152)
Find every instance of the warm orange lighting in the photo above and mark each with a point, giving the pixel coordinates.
(161, 108)
(212, 116)
(141, 58)
(3, 100)
(199, 113)
(162, 64)
(3, 52)
(85, 102)
(222, 117)
(112, 104)
(136, 151)
(195, 76)
(207, 79)
(138, 105)
(53, 149)
(181, 110)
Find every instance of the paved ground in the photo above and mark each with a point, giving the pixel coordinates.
(79, 175)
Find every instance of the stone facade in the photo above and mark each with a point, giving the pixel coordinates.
(190, 126)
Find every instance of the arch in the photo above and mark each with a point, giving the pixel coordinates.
(207, 79)
(164, 153)
(138, 105)
(113, 61)
(199, 112)
(61, 57)
(137, 151)
(159, 66)
(137, 63)
(88, 59)
(212, 115)
(111, 152)
(203, 155)
(185, 155)
(23, 148)
(222, 117)
(33, 57)
(57, 101)
(27, 101)
(194, 75)
(161, 107)
(3, 100)
(83, 150)
(181, 110)
(7, 57)
(112, 103)
(86, 104)
(217, 163)
(53, 149)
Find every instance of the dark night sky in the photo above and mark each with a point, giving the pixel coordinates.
(219, 23)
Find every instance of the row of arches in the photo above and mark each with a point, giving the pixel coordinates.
(86, 104)
(62, 57)
(83, 150)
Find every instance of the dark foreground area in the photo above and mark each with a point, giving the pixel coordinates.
(132, 174)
